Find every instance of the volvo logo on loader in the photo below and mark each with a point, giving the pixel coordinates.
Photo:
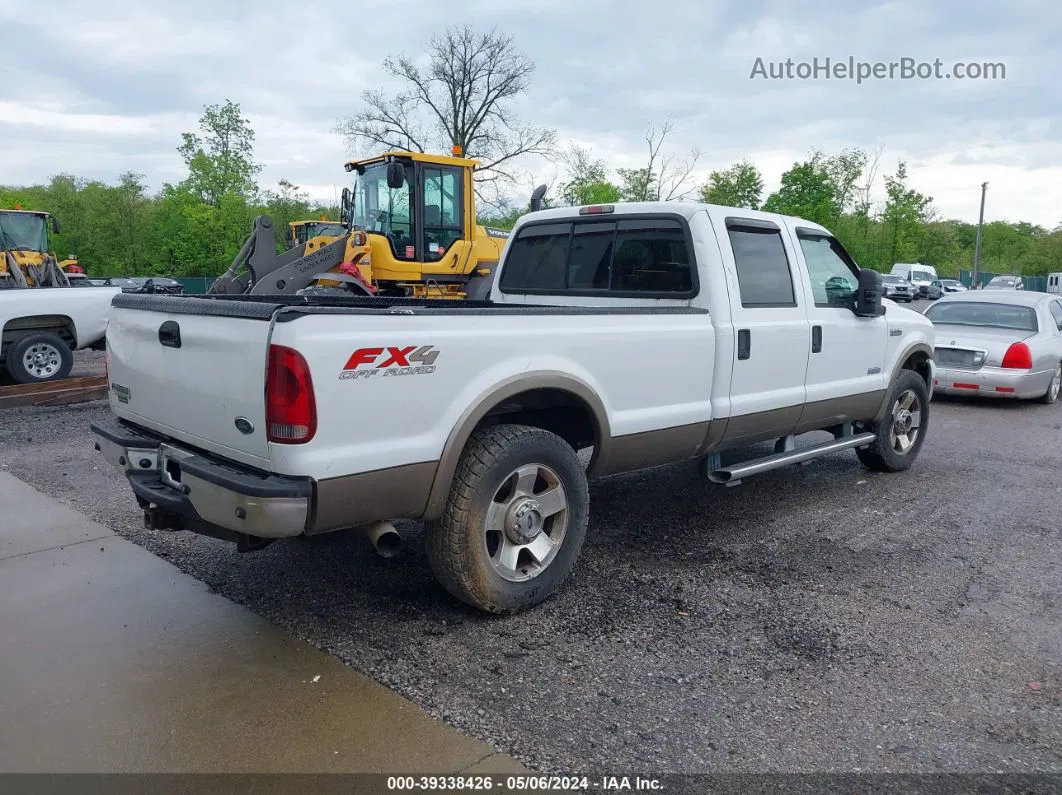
(406, 360)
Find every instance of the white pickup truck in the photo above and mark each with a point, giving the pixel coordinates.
(43, 326)
(652, 333)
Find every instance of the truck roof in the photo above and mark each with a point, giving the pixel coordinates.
(685, 209)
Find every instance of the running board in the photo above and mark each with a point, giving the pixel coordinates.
(731, 476)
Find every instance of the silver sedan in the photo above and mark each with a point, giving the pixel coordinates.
(998, 343)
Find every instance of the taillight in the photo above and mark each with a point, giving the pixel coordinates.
(1018, 357)
(291, 412)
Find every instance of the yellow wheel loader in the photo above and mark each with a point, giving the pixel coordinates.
(25, 260)
(300, 232)
(409, 230)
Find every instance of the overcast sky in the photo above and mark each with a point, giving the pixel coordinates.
(98, 87)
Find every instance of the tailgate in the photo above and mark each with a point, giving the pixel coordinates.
(187, 374)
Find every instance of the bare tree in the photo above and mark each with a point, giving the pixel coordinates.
(870, 174)
(461, 96)
(665, 176)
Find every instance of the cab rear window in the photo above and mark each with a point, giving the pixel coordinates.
(639, 256)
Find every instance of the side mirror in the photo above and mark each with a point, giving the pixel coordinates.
(345, 202)
(55, 224)
(868, 294)
(396, 175)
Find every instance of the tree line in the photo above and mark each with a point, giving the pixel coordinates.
(192, 228)
(461, 92)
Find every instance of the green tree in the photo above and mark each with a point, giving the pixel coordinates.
(288, 203)
(131, 210)
(741, 185)
(806, 191)
(844, 170)
(588, 181)
(905, 215)
(221, 159)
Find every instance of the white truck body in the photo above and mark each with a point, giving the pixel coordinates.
(717, 328)
(76, 318)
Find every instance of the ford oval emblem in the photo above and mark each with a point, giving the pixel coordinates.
(244, 425)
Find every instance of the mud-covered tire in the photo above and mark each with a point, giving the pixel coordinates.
(488, 486)
(883, 455)
(38, 358)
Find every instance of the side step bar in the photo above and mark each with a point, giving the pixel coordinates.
(732, 475)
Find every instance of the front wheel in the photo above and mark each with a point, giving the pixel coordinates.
(39, 357)
(514, 522)
(902, 431)
(1051, 395)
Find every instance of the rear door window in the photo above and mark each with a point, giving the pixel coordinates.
(762, 266)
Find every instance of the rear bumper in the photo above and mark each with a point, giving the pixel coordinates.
(182, 490)
(992, 382)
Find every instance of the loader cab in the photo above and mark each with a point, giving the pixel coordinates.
(24, 246)
(418, 211)
(26, 230)
(300, 232)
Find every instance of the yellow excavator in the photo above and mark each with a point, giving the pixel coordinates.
(25, 259)
(301, 231)
(409, 229)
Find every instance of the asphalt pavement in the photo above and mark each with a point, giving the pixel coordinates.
(816, 618)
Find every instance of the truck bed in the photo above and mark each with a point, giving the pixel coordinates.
(288, 307)
(194, 369)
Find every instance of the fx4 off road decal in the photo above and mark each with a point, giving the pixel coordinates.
(388, 362)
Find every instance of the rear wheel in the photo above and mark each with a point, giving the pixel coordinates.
(1051, 395)
(902, 430)
(39, 357)
(514, 522)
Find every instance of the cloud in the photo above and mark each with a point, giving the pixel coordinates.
(97, 89)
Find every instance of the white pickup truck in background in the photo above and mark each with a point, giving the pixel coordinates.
(652, 333)
(43, 326)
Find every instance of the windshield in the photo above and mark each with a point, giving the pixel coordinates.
(887, 277)
(378, 208)
(983, 315)
(1000, 282)
(23, 232)
(921, 276)
(309, 231)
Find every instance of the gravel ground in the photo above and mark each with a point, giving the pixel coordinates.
(817, 618)
(88, 363)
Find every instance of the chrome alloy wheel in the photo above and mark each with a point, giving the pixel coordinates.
(906, 421)
(526, 522)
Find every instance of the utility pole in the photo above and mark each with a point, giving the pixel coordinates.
(977, 245)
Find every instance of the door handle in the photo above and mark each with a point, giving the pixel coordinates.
(744, 343)
(816, 339)
(170, 334)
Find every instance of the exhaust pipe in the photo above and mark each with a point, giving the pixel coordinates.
(385, 539)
